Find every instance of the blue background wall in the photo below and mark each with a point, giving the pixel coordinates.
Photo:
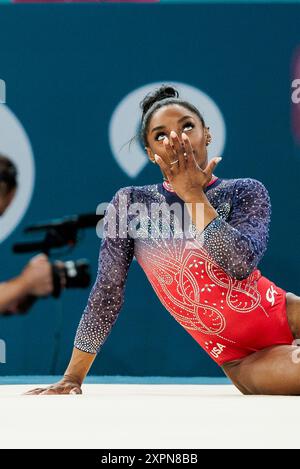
(66, 68)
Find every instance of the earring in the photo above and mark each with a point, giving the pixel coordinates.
(208, 140)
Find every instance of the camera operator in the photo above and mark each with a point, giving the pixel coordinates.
(36, 278)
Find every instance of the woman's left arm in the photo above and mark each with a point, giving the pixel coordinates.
(238, 245)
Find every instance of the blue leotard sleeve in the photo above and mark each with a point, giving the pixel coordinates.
(238, 244)
(107, 295)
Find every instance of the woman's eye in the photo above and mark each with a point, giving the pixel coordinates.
(161, 134)
(188, 124)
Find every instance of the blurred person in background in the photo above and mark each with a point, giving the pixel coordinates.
(36, 277)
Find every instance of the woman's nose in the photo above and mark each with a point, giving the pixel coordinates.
(178, 134)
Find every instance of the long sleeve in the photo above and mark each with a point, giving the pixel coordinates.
(107, 295)
(238, 245)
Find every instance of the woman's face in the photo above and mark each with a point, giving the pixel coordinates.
(5, 200)
(180, 119)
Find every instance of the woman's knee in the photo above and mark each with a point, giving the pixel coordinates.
(272, 371)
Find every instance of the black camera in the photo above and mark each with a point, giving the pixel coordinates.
(60, 233)
(70, 274)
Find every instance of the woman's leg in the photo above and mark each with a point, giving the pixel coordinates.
(275, 370)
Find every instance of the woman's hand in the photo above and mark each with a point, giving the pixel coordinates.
(186, 177)
(67, 385)
(74, 375)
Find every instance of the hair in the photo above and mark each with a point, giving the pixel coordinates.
(8, 176)
(163, 96)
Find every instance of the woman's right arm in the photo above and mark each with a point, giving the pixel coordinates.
(106, 297)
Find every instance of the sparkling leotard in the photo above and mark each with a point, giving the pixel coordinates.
(209, 282)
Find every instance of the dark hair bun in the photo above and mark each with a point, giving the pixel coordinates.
(165, 91)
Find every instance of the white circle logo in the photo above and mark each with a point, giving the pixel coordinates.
(15, 145)
(125, 121)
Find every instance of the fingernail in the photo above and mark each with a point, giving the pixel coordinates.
(173, 134)
(166, 140)
(219, 159)
(184, 136)
(156, 157)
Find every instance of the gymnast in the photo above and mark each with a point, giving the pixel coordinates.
(207, 277)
